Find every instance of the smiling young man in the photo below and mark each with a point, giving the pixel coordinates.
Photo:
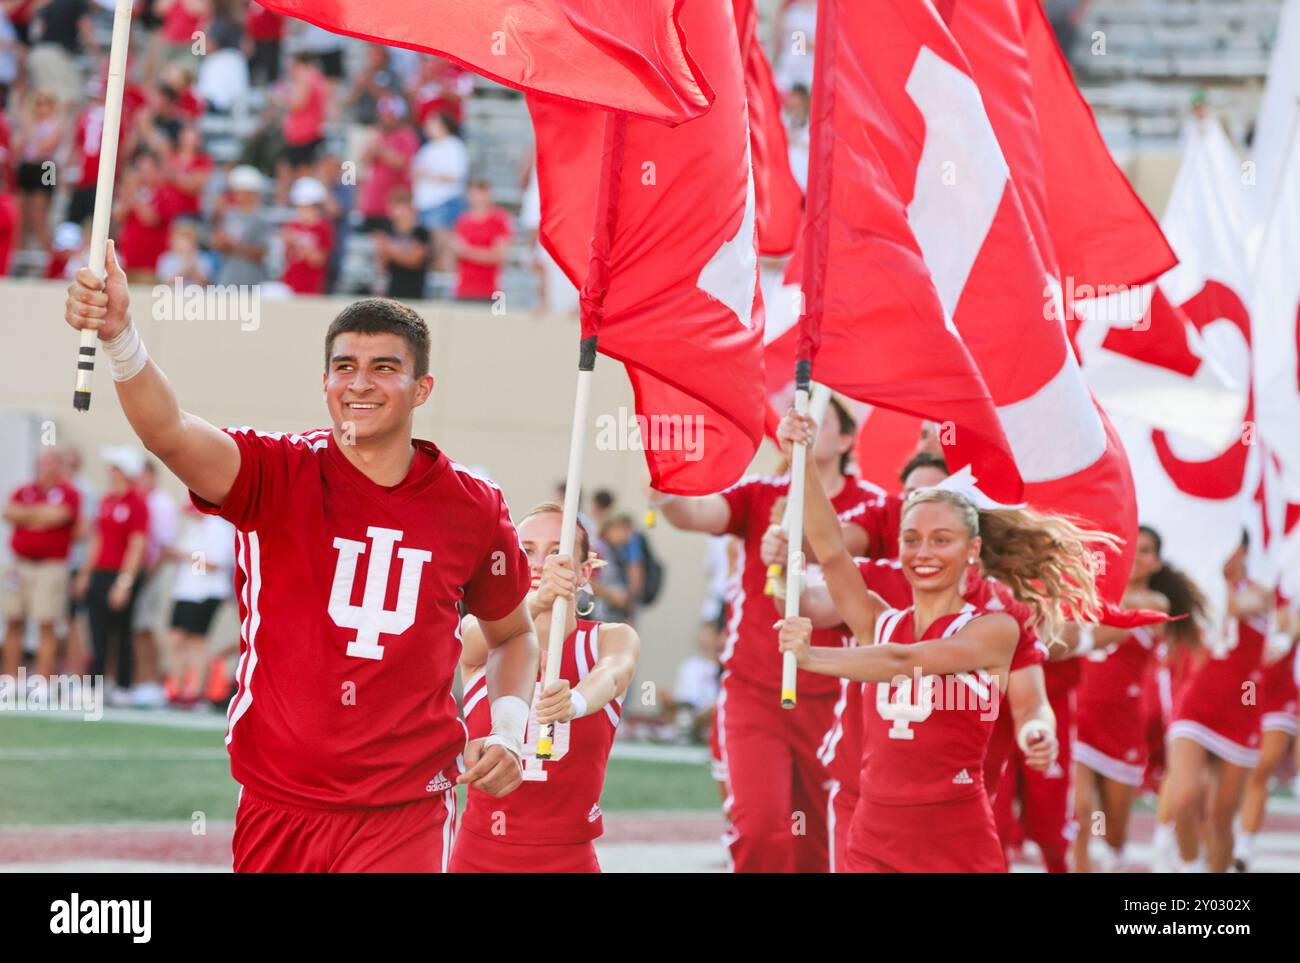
(356, 544)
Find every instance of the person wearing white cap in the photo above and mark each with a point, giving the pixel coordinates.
(358, 546)
(308, 239)
(239, 236)
(110, 583)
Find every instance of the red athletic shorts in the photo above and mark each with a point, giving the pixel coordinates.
(952, 837)
(475, 853)
(414, 838)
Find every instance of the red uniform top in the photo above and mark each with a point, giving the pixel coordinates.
(559, 800)
(841, 750)
(47, 543)
(188, 204)
(1212, 703)
(476, 280)
(300, 275)
(752, 652)
(1109, 704)
(120, 517)
(350, 633)
(882, 522)
(912, 754)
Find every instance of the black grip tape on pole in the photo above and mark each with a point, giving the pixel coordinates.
(587, 354)
(803, 374)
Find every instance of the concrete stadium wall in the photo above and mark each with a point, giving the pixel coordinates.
(503, 400)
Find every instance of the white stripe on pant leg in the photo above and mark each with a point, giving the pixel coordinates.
(830, 820)
(448, 827)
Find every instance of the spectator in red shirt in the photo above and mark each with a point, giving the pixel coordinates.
(265, 30)
(308, 239)
(44, 516)
(85, 155)
(110, 581)
(387, 163)
(186, 168)
(146, 206)
(181, 21)
(482, 244)
(305, 99)
(441, 87)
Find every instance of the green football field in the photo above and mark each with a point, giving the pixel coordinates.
(61, 771)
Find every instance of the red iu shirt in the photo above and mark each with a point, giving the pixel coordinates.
(49, 543)
(926, 746)
(751, 651)
(350, 632)
(559, 800)
(120, 517)
(841, 751)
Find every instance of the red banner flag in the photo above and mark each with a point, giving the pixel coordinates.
(664, 254)
(623, 56)
(875, 323)
(777, 195)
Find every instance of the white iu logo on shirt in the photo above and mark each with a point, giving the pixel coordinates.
(370, 618)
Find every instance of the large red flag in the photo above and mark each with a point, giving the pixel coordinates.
(876, 325)
(664, 254)
(962, 153)
(777, 195)
(623, 56)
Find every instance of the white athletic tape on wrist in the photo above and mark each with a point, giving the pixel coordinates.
(579, 704)
(509, 723)
(1086, 640)
(1030, 728)
(126, 354)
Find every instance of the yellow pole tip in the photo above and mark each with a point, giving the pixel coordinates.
(788, 699)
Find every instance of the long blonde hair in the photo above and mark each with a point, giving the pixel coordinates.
(1048, 561)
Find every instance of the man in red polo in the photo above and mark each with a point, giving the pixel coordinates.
(43, 515)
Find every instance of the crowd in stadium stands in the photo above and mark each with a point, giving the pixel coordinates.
(254, 150)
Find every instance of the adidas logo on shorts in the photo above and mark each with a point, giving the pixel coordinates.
(594, 814)
(962, 779)
(438, 783)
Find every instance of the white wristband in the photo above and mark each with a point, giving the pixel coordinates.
(509, 723)
(1028, 729)
(579, 703)
(126, 354)
(1086, 640)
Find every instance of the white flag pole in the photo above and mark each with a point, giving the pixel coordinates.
(104, 185)
(568, 528)
(817, 405)
(794, 526)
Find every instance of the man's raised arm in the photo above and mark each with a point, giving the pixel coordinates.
(204, 458)
(707, 513)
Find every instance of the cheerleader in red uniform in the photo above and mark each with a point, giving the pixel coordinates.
(1277, 727)
(1216, 727)
(549, 823)
(936, 668)
(1111, 742)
